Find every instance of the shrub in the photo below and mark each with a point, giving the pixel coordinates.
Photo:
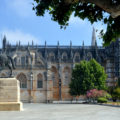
(116, 93)
(111, 91)
(118, 82)
(94, 94)
(108, 96)
(102, 100)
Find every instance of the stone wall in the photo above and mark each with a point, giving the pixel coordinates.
(54, 64)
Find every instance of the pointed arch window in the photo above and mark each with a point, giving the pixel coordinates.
(27, 60)
(64, 56)
(77, 57)
(89, 56)
(54, 79)
(51, 56)
(66, 76)
(23, 80)
(54, 76)
(39, 81)
(22, 60)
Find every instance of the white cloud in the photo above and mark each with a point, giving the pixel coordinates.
(15, 36)
(22, 8)
(76, 20)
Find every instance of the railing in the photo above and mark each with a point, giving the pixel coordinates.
(29, 66)
(55, 46)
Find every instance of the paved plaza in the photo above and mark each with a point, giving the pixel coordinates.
(63, 112)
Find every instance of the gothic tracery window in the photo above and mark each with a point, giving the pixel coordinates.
(38, 57)
(77, 57)
(51, 56)
(54, 76)
(23, 61)
(27, 60)
(39, 81)
(66, 79)
(89, 56)
(64, 56)
(23, 80)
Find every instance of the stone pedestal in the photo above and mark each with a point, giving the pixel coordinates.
(10, 95)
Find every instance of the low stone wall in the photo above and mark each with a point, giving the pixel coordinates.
(68, 102)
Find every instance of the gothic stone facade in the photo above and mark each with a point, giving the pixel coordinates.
(44, 71)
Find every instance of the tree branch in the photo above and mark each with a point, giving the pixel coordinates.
(106, 5)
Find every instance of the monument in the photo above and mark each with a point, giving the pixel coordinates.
(9, 87)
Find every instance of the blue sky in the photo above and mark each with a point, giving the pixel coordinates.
(19, 22)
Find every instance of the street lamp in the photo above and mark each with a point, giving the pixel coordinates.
(31, 81)
(59, 88)
(31, 86)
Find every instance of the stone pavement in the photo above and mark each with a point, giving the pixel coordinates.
(63, 112)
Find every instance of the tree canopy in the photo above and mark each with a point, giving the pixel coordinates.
(93, 10)
(87, 75)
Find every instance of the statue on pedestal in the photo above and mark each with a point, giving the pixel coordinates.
(6, 61)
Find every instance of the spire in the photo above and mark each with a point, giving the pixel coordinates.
(16, 44)
(70, 43)
(8, 43)
(93, 37)
(32, 43)
(71, 52)
(45, 51)
(58, 56)
(58, 44)
(4, 39)
(45, 43)
(19, 43)
(83, 43)
(83, 51)
(28, 45)
(4, 43)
